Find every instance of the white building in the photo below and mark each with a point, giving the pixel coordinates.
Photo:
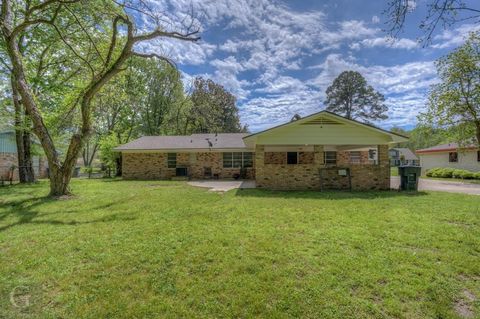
(450, 155)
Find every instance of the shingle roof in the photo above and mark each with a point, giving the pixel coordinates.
(444, 148)
(194, 141)
(407, 153)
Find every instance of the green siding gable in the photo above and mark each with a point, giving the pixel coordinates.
(324, 128)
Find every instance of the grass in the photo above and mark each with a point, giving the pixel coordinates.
(164, 249)
(393, 171)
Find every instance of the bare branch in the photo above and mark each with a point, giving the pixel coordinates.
(154, 55)
(190, 36)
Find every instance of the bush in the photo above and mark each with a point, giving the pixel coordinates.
(452, 172)
(443, 172)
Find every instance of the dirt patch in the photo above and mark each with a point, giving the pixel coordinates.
(463, 306)
(65, 197)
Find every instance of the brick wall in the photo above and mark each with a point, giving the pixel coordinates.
(154, 165)
(7, 160)
(364, 176)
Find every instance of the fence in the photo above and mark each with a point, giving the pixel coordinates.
(9, 174)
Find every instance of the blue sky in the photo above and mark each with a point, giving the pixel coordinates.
(279, 57)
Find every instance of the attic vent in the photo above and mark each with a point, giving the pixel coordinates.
(322, 121)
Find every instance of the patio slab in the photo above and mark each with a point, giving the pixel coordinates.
(222, 185)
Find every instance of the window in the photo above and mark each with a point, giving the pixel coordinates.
(330, 158)
(172, 160)
(248, 159)
(292, 157)
(237, 159)
(227, 160)
(453, 157)
(355, 157)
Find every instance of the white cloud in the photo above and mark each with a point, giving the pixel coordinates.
(375, 19)
(453, 38)
(181, 52)
(386, 42)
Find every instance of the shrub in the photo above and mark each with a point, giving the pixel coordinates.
(433, 172)
(468, 175)
(445, 172)
(452, 172)
(458, 173)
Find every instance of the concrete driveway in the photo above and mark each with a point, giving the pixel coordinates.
(426, 184)
(222, 185)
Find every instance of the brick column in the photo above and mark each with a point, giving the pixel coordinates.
(259, 165)
(384, 166)
(319, 157)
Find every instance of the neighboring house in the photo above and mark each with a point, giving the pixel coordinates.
(9, 160)
(320, 151)
(450, 155)
(402, 156)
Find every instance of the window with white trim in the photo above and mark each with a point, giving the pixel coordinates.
(355, 157)
(453, 157)
(237, 159)
(330, 157)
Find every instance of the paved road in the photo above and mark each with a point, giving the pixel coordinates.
(442, 186)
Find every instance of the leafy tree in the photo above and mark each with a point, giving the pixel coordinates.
(443, 13)
(95, 38)
(455, 101)
(352, 97)
(107, 154)
(213, 109)
(163, 95)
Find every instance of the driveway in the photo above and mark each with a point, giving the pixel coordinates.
(223, 186)
(426, 184)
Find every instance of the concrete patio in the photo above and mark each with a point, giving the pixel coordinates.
(223, 185)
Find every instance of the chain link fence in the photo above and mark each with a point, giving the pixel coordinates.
(10, 174)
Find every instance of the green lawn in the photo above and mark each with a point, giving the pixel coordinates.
(164, 249)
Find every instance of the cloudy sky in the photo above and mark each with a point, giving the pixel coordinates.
(278, 57)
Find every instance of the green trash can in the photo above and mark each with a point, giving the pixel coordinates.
(409, 176)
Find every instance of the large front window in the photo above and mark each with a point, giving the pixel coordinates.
(237, 159)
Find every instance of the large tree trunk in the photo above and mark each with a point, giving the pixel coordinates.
(59, 181)
(22, 138)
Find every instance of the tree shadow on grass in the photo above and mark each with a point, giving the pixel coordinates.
(25, 211)
(329, 195)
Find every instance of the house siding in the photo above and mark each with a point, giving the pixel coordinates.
(275, 174)
(148, 166)
(466, 160)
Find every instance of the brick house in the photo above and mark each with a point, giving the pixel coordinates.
(9, 159)
(320, 151)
